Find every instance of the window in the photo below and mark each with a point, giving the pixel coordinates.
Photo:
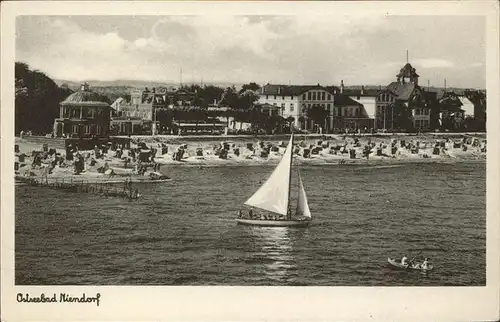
(283, 106)
(328, 108)
(314, 96)
(417, 111)
(357, 112)
(87, 129)
(283, 97)
(291, 107)
(309, 96)
(274, 96)
(329, 97)
(291, 97)
(75, 129)
(304, 96)
(323, 96)
(75, 113)
(98, 130)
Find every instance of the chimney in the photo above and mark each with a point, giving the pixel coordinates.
(341, 86)
(362, 89)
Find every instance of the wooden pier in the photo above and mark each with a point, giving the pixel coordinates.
(85, 186)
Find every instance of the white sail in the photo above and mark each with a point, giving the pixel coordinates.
(274, 194)
(302, 205)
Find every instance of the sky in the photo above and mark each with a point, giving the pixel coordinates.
(305, 49)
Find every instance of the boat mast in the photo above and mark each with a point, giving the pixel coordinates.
(289, 214)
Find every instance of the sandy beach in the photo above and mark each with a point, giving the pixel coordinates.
(330, 150)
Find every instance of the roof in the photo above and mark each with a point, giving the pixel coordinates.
(403, 91)
(289, 90)
(85, 97)
(117, 102)
(407, 71)
(366, 92)
(344, 100)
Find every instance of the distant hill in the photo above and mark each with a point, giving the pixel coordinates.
(134, 83)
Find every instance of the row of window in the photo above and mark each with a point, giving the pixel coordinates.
(88, 113)
(349, 112)
(87, 129)
(317, 96)
(422, 111)
(422, 123)
(310, 96)
(385, 97)
(337, 111)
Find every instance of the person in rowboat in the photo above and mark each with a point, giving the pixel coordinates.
(404, 261)
(425, 264)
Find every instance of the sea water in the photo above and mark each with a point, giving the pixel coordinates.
(183, 232)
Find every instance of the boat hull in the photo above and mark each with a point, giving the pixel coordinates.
(397, 265)
(273, 223)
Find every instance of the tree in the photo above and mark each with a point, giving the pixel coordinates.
(247, 99)
(210, 94)
(229, 98)
(250, 86)
(36, 101)
(318, 114)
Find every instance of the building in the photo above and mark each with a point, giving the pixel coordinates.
(411, 110)
(356, 108)
(139, 116)
(451, 114)
(298, 102)
(83, 114)
(478, 99)
(384, 113)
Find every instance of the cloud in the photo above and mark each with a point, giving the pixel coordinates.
(433, 63)
(313, 49)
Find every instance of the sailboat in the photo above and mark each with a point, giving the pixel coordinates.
(274, 196)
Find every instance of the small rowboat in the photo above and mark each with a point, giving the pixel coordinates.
(396, 264)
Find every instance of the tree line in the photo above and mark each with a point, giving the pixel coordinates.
(37, 99)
